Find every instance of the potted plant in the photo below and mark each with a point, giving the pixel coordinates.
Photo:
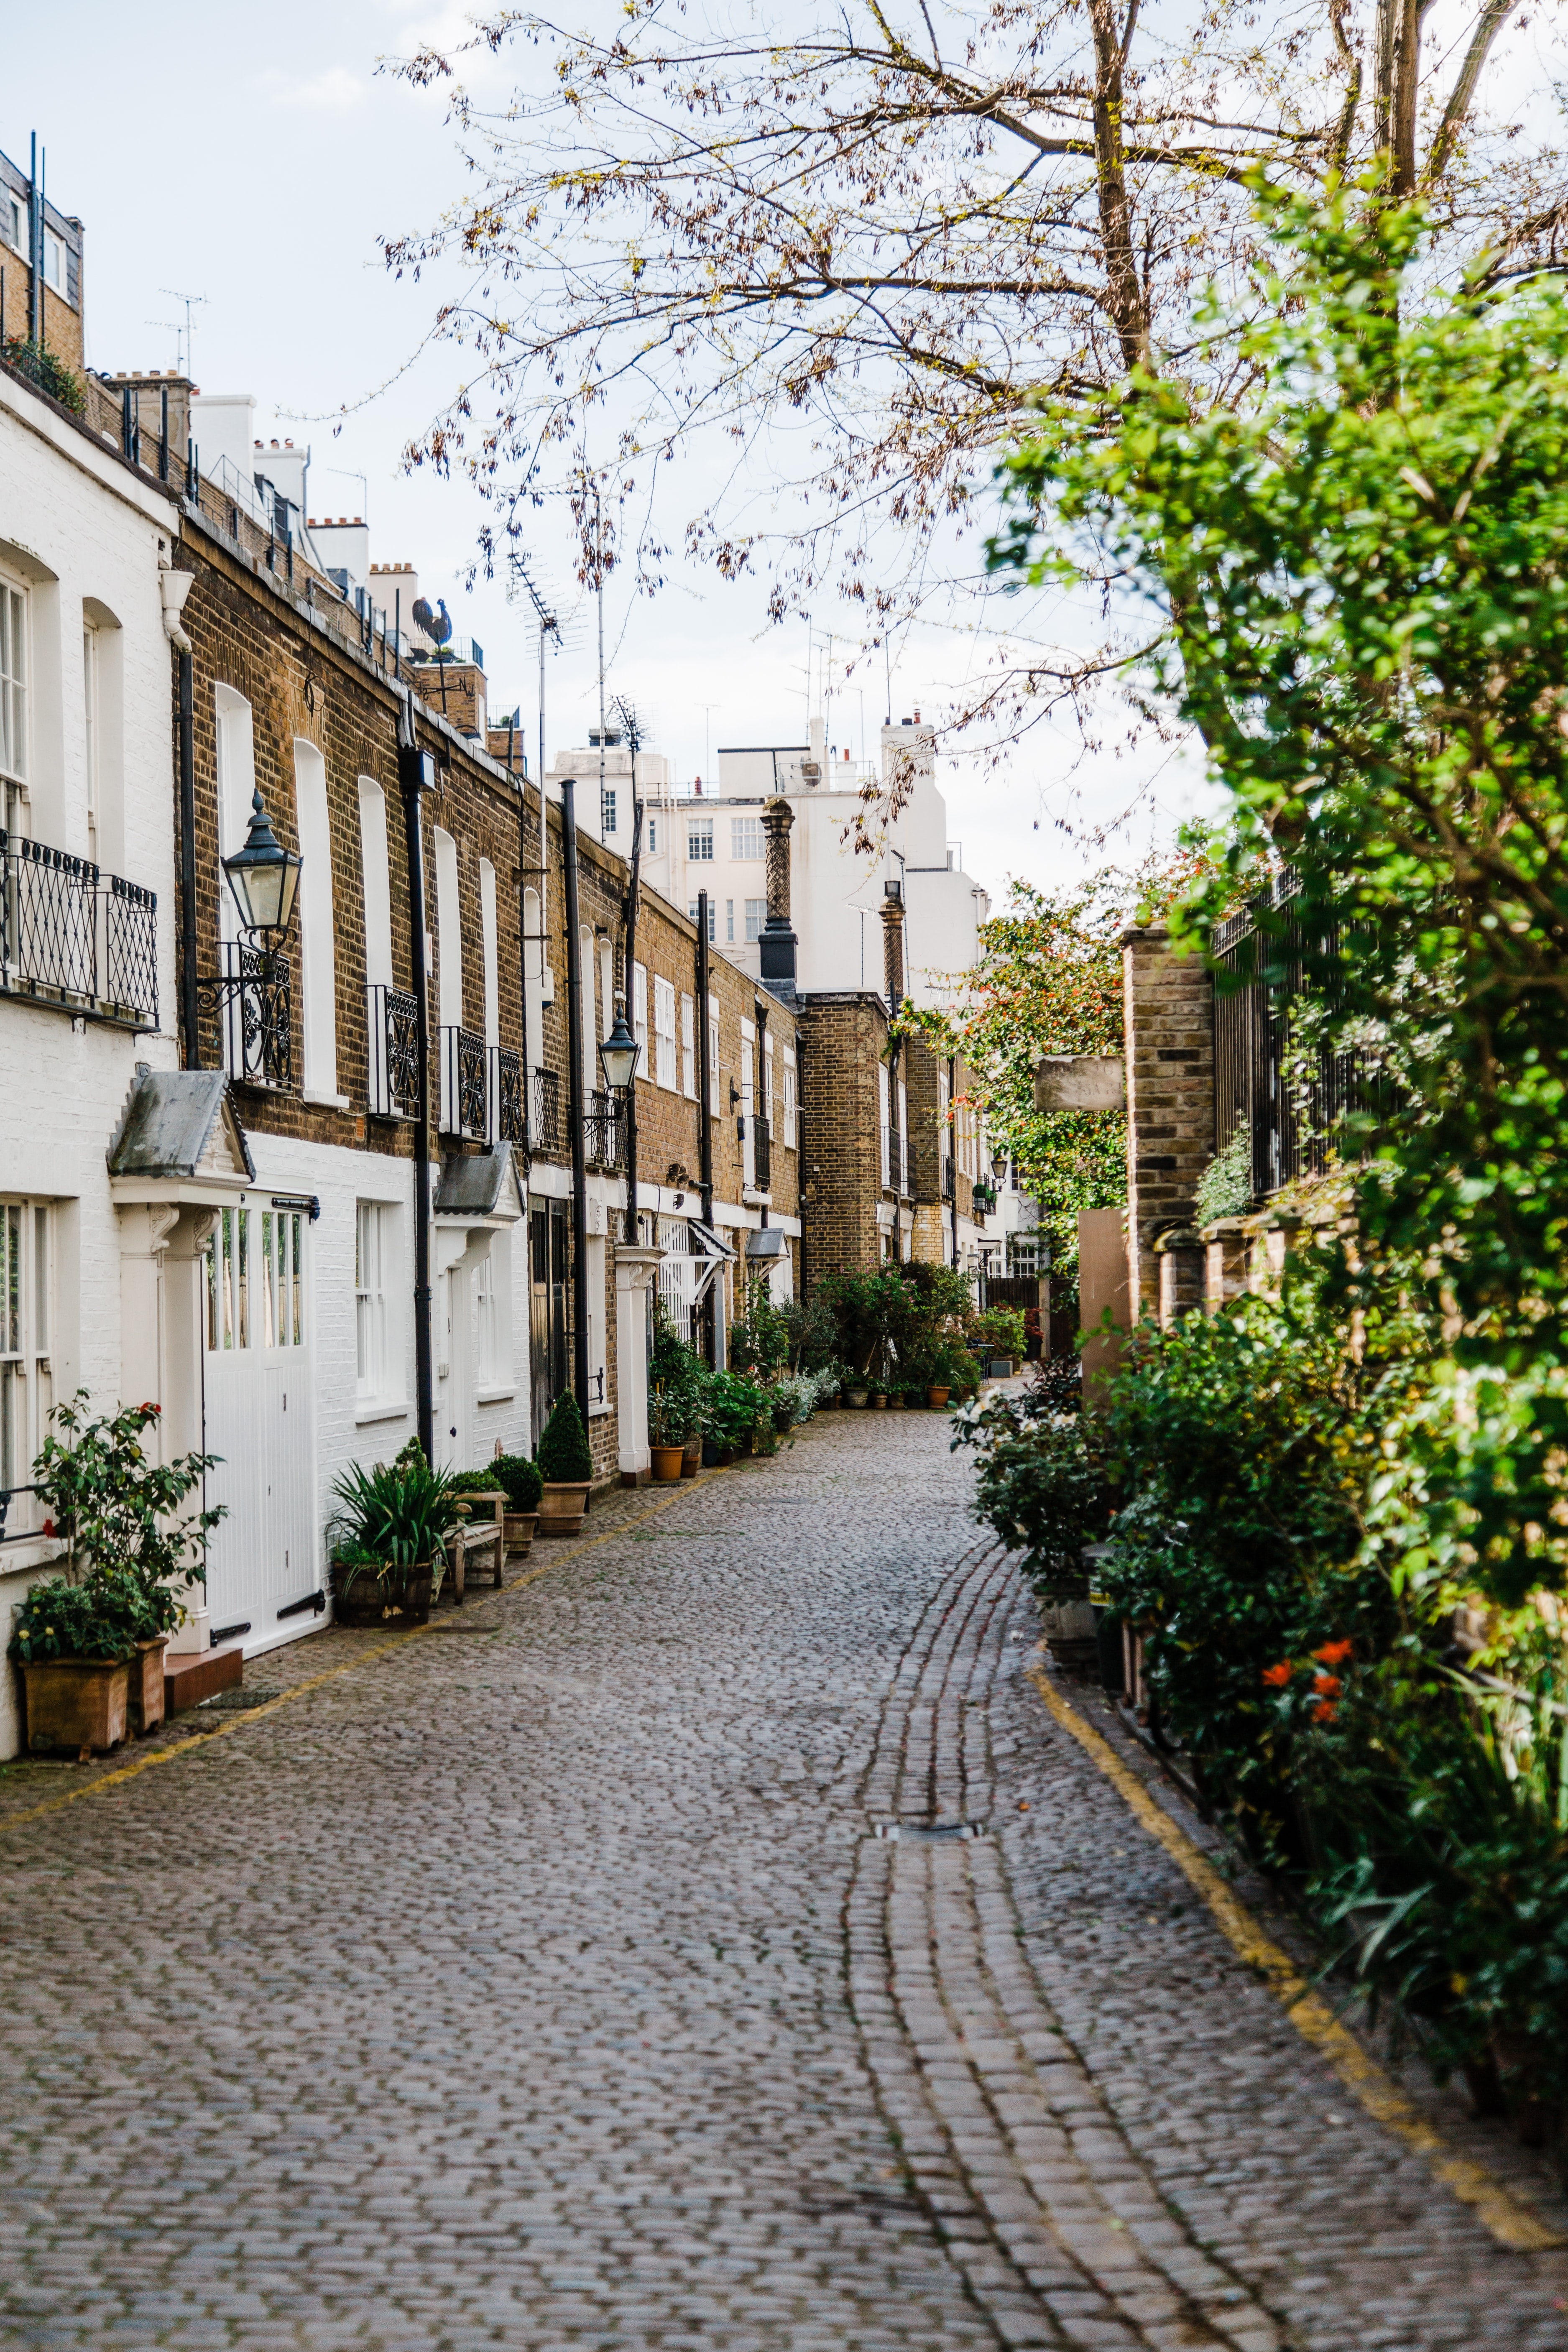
(127, 1549)
(520, 1481)
(390, 1539)
(859, 1396)
(666, 1436)
(566, 1469)
(74, 1644)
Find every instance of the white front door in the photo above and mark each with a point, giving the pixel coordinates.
(266, 1554)
(453, 1368)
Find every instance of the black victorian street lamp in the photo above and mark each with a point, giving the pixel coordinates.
(619, 1053)
(998, 1168)
(251, 997)
(264, 876)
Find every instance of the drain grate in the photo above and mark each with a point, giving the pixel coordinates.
(930, 1832)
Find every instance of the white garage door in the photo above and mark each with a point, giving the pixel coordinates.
(266, 1554)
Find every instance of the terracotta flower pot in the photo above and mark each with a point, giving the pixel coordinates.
(78, 1702)
(519, 1533)
(560, 1507)
(667, 1461)
(691, 1460)
(936, 1399)
(895, 1404)
(146, 1685)
(879, 1404)
(858, 1398)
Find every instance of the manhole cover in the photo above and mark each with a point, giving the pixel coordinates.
(931, 1832)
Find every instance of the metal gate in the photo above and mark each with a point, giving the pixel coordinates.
(549, 1290)
(265, 1556)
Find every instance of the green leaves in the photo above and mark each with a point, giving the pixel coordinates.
(399, 1512)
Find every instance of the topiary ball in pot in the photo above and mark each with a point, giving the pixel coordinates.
(520, 1483)
(565, 1467)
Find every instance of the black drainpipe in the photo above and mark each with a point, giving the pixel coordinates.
(952, 1156)
(634, 1228)
(415, 774)
(705, 1112)
(576, 1108)
(189, 1015)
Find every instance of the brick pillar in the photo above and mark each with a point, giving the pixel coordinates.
(1227, 1249)
(1168, 1014)
(893, 947)
(776, 948)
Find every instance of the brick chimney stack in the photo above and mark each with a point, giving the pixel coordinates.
(776, 947)
(894, 946)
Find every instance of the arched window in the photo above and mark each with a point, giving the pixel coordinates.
(378, 880)
(532, 980)
(590, 1030)
(448, 932)
(235, 783)
(317, 961)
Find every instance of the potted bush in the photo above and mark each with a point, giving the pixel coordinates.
(390, 1539)
(75, 1644)
(859, 1396)
(520, 1481)
(666, 1436)
(566, 1469)
(127, 1549)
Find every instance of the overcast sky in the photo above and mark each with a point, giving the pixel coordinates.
(254, 160)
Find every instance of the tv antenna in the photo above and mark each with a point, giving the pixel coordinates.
(192, 302)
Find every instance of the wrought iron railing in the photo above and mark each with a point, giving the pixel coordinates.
(465, 1084)
(247, 1017)
(546, 1122)
(1291, 1104)
(75, 936)
(392, 1018)
(506, 1096)
(895, 1159)
(603, 1133)
(763, 1153)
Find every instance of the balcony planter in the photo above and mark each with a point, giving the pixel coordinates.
(668, 1463)
(519, 1528)
(692, 1460)
(146, 1685)
(75, 1703)
(389, 1599)
(937, 1399)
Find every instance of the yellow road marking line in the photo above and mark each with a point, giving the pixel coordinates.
(1511, 2222)
(243, 1720)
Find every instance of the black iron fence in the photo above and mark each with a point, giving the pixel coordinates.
(392, 1018)
(546, 1135)
(465, 1084)
(75, 936)
(762, 1153)
(506, 1096)
(247, 1017)
(604, 1131)
(1288, 1097)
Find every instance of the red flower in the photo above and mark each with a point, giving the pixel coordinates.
(49, 1527)
(1325, 1710)
(1333, 1654)
(1277, 1677)
(1329, 1685)
(153, 1408)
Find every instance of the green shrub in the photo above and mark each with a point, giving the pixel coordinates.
(519, 1479)
(39, 363)
(1041, 1485)
(760, 1339)
(400, 1513)
(732, 1407)
(103, 1617)
(563, 1456)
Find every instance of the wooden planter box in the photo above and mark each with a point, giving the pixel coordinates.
(561, 1509)
(395, 1600)
(147, 1706)
(76, 1703)
(519, 1533)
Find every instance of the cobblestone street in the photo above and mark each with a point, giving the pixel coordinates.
(541, 1980)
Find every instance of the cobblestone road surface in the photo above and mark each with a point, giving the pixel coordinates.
(542, 1981)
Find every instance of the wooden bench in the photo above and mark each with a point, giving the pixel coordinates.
(473, 1539)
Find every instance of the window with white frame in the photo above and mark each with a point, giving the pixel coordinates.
(789, 1100)
(54, 262)
(492, 1304)
(688, 1049)
(256, 1279)
(13, 701)
(27, 1317)
(768, 1080)
(699, 838)
(665, 1069)
(639, 1017)
(92, 710)
(606, 809)
(11, 220)
(375, 1257)
(712, 918)
(729, 922)
(756, 916)
(746, 839)
(653, 836)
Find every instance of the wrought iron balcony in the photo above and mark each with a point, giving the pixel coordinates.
(74, 937)
(506, 1096)
(894, 1160)
(391, 1017)
(763, 1153)
(465, 1084)
(603, 1130)
(546, 1124)
(247, 1017)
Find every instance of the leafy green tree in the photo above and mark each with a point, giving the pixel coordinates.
(1363, 583)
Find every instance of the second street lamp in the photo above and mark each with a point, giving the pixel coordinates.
(264, 876)
(619, 1053)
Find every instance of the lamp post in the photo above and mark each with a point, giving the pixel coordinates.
(264, 876)
(618, 1054)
